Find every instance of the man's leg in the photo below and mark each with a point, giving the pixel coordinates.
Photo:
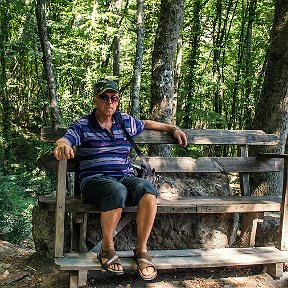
(109, 221)
(145, 217)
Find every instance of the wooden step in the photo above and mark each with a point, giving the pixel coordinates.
(195, 204)
(190, 258)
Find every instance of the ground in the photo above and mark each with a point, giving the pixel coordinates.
(21, 268)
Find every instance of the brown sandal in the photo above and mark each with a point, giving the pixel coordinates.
(144, 260)
(107, 258)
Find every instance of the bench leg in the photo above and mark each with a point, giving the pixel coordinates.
(82, 236)
(78, 278)
(79, 229)
(275, 269)
(73, 279)
(249, 227)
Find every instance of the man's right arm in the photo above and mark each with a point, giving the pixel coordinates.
(63, 150)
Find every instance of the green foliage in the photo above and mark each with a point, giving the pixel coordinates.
(20, 185)
(17, 197)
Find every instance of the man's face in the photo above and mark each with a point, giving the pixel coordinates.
(107, 102)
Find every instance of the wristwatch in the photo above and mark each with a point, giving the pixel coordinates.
(174, 128)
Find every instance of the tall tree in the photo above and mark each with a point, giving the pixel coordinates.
(248, 48)
(192, 62)
(47, 62)
(136, 81)
(219, 34)
(162, 81)
(271, 113)
(116, 41)
(5, 103)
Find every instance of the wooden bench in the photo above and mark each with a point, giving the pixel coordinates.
(78, 262)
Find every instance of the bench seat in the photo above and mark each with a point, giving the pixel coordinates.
(80, 264)
(184, 258)
(195, 204)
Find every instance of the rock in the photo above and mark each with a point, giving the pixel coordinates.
(268, 230)
(43, 231)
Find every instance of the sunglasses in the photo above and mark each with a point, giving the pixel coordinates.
(106, 98)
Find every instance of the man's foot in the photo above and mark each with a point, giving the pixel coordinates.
(146, 267)
(110, 261)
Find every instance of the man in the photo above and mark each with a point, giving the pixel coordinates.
(106, 176)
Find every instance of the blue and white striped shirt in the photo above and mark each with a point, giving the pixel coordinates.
(101, 153)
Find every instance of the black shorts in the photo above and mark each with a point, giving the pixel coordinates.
(108, 193)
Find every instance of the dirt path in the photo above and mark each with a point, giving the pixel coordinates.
(21, 268)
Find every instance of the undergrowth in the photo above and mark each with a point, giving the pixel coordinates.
(20, 184)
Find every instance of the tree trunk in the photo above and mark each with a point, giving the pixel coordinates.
(47, 62)
(271, 113)
(177, 75)
(248, 84)
(94, 13)
(162, 82)
(220, 34)
(6, 108)
(135, 95)
(193, 62)
(116, 42)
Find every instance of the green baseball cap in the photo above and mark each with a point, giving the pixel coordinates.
(104, 85)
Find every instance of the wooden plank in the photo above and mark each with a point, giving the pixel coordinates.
(198, 258)
(208, 164)
(244, 177)
(284, 210)
(190, 165)
(194, 136)
(194, 204)
(60, 208)
(248, 231)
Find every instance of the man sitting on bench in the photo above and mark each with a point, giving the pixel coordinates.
(106, 176)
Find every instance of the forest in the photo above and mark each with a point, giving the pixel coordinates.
(197, 63)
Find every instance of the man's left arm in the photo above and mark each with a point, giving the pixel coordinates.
(174, 130)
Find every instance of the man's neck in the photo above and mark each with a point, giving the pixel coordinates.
(102, 119)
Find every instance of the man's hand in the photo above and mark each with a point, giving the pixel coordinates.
(63, 150)
(180, 136)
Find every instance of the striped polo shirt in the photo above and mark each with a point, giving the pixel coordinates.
(99, 152)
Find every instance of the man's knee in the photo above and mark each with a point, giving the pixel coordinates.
(148, 199)
(118, 193)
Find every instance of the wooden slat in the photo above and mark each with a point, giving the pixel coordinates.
(284, 210)
(194, 136)
(211, 164)
(244, 177)
(194, 258)
(195, 204)
(60, 208)
(190, 165)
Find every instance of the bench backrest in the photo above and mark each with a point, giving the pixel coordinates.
(194, 136)
(242, 138)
